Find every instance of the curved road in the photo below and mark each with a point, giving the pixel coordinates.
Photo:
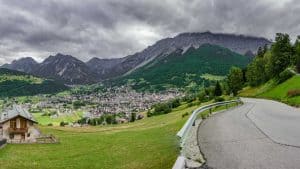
(261, 134)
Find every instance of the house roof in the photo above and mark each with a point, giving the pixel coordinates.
(16, 111)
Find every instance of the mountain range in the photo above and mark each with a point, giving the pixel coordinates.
(71, 70)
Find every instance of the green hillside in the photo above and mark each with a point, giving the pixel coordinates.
(278, 92)
(179, 70)
(14, 83)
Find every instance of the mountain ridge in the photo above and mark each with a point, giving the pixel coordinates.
(96, 69)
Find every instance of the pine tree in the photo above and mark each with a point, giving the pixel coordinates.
(282, 53)
(218, 89)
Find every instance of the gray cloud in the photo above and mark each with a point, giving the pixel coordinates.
(116, 28)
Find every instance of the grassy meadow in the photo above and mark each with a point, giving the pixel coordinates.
(45, 120)
(150, 143)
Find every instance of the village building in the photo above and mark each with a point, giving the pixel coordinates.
(17, 125)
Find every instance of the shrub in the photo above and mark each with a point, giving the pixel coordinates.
(185, 114)
(50, 124)
(219, 99)
(175, 103)
(293, 93)
(285, 75)
(62, 124)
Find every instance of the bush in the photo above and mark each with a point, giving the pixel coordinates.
(219, 99)
(175, 103)
(185, 114)
(293, 93)
(62, 124)
(50, 124)
(285, 75)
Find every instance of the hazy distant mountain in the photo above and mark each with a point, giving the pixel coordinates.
(24, 65)
(237, 43)
(66, 68)
(103, 67)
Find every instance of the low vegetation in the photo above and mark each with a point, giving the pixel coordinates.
(14, 83)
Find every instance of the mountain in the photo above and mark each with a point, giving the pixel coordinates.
(70, 70)
(15, 83)
(26, 64)
(180, 68)
(103, 67)
(237, 43)
(67, 69)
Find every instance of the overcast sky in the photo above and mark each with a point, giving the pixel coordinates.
(116, 28)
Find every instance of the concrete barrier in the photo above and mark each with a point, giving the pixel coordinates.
(180, 163)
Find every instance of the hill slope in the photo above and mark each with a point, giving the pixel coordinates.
(14, 83)
(272, 90)
(181, 68)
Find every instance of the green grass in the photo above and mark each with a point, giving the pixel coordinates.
(273, 91)
(212, 77)
(45, 120)
(146, 144)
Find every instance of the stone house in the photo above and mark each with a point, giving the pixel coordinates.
(17, 125)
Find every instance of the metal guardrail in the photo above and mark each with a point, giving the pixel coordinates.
(191, 121)
(181, 160)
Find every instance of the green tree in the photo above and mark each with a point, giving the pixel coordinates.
(297, 54)
(260, 52)
(218, 89)
(282, 54)
(256, 72)
(235, 80)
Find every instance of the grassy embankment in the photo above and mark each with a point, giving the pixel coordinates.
(271, 90)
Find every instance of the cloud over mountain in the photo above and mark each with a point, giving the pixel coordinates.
(116, 28)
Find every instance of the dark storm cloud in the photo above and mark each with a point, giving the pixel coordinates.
(116, 28)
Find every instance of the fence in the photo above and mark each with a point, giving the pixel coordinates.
(183, 132)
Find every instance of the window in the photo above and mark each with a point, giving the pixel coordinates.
(13, 123)
(23, 124)
(11, 136)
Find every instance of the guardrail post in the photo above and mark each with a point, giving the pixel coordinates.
(210, 111)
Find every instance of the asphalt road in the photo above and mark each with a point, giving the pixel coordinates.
(260, 134)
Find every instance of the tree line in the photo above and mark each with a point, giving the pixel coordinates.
(279, 62)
